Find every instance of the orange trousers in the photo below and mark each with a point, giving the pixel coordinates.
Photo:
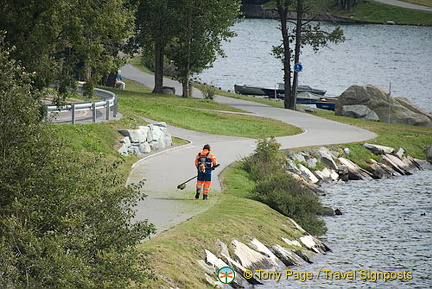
(203, 186)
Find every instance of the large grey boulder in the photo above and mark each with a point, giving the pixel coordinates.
(375, 98)
(359, 111)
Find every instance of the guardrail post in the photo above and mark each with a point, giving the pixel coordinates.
(107, 110)
(73, 113)
(115, 106)
(94, 111)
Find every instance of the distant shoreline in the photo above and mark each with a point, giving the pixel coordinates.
(251, 11)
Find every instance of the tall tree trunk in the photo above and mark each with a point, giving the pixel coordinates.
(297, 49)
(283, 13)
(159, 67)
(185, 88)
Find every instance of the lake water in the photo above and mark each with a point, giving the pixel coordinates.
(372, 54)
(386, 225)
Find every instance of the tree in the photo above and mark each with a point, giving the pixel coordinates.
(64, 41)
(303, 33)
(202, 26)
(155, 27)
(187, 33)
(346, 4)
(65, 218)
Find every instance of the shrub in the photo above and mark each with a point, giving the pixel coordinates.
(291, 198)
(65, 218)
(208, 91)
(279, 190)
(267, 160)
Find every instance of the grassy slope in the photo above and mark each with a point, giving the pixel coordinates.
(380, 13)
(232, 218)
(375, 12)
(235, 215)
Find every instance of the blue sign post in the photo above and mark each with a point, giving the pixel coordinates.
(298, 67)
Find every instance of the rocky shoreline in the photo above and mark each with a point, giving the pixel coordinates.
(249, 260)
(322, 166)
(314, 167)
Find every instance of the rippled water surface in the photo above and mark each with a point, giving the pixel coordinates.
(372, 54)
(386, 227)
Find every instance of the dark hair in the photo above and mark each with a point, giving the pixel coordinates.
(206, 147)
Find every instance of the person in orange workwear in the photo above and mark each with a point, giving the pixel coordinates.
(205, 162)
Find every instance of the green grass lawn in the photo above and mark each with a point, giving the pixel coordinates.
(198, 114)
(427, 3)
(232, 218)
(235, 215)
(376, 12)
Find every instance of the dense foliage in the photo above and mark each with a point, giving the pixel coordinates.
(187, 33)
(64, 41)
(276, 188)
(65, 218)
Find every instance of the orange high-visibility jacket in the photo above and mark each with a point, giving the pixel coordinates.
(207, 159)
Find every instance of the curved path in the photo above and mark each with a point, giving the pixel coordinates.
(166, 206)
(406, 5)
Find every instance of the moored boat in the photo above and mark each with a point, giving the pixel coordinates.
(274, 92)
(328, 105)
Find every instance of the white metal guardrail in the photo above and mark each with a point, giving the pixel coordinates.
(108, 101)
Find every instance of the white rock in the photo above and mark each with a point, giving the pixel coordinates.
(355, 171)
(249, 258)
(313, 244)
(123, 150)
(144, 148)
(260, 247)
(378, 149)
(216, 262)
(137, 136)
(312, 162)
(400, 153)
(292, 167)
(126, 141)
(287, 256)
(307, 174)
(326, 157)
(398, 161)
(161, 124)
(291, 242)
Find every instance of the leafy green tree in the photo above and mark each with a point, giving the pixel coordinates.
(187, 33)
(155, 27)
(302, 33)
(65, 218)
(202, 26)
(64, 41)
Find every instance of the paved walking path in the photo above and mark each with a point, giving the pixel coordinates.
(166, 206)
(405, 5)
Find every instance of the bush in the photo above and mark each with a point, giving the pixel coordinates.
(291, 198)
(65, 218)
(267, 160)
(279, 190)
(209, 91)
